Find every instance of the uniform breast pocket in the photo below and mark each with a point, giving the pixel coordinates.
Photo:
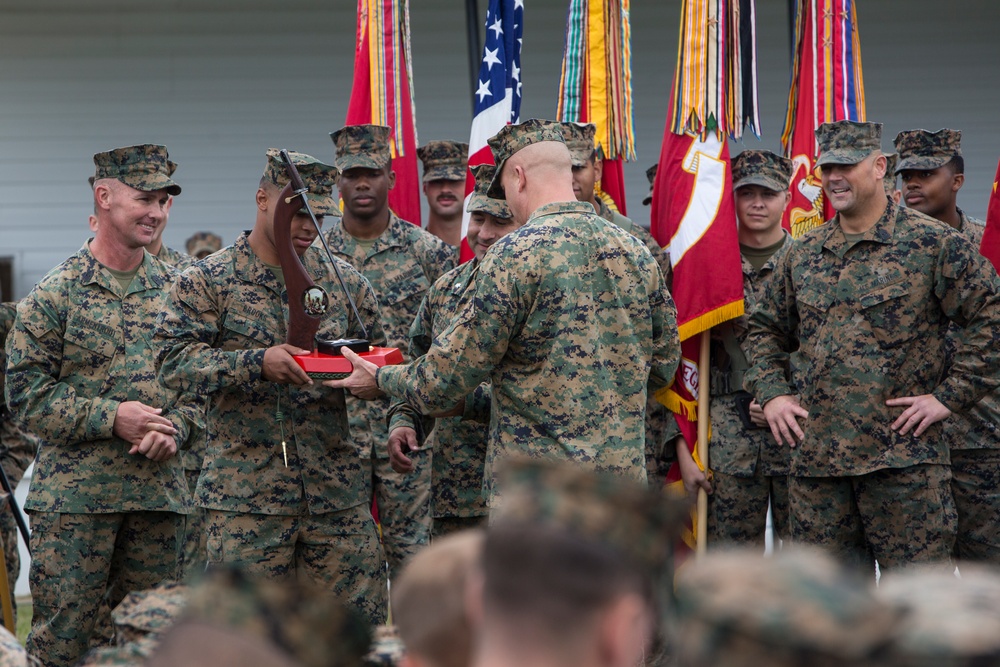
(814, 305)
(243, 333)
(892, 317)
(88, 350)
(408, 287)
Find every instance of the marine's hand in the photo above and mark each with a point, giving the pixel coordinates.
(694, 478)
(361, 381)
(281, 368)
(781, 413)
(134, 419)
(757, 414)
(920, 412)
(156, 446)
(402, 441)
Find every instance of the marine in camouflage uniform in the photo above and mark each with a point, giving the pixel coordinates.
(890, 179)
(459, 444)
(588, 163)
(869, 313)
(401, 261)
(12, 654)
(445, 167)
(931, 165)
(202, 244)
(749, 467)
(107, 489)
(568, 317)
(221, 334)
(17, 451)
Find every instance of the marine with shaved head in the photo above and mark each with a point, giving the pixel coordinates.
(568, 317)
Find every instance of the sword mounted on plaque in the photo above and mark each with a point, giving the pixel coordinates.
(308, 302)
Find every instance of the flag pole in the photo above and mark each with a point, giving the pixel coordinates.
(703, 382)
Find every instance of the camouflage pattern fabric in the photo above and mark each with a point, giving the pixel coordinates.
(975, 485)
(568, 317)
(12, 654)
(402, 265)
(920, 149)
(661, 426)
(337, 552)
(174, 258)
(319, 179)
(449, 525)
(81, 560)
(897, 516)
(365, 146)
(133, 654)
(387, 648)
(203, 242)
(971, 228)
(459, 445)
(479, 200)
(579, 138)
(512, 138)
(798, 608)
(145, 167)
(737, 509)
(444, 160)
(847, 141)
(194, 554)
(651, 177)
(149, 612)
(753, 167)
(889, 180)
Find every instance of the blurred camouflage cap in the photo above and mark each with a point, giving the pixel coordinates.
(513, 138)
(145, 167)
(920, 149)
(753, 167)
(318, 177)
(306, 621)
(638, 524)
(362, 146)
(847, 141)
(799, 607)
(651, 177)
(479, 200)
(579, 138)
(386, 649)
(203, 243)
(148, 612)
(889, 180)
(444, 160)
(948, 621)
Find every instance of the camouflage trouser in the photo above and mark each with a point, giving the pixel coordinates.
(81, 561)
(337, 550)
(975, 483)
(193, 556)
(404, 507)
(737, 509)
(12, 557)
(898, 516)
(446, 525)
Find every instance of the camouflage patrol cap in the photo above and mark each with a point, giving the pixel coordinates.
(579, 138)
(364, 146)
(847, 141)
(753, 167)
(145, 167)
(799, 607)
(318, 177)
(948, 621)
(513, 138)
(305, 621)
(479, 200)
(203, 243)
(386, 649)
(444, 160)
(889, 180)
(600, 508)
(651, 177)
(920, 149)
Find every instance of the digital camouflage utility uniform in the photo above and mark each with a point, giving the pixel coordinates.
(174, 258)
(402, 265)
(104, 523)
(308, 519)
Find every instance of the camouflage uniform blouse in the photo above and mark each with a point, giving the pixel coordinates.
(174, 258)
(459, 445)
(569, 318)
(220, 317)
(870, 323)
(78, 348)
(402, 265)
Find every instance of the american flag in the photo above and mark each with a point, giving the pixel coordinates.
(498, 93)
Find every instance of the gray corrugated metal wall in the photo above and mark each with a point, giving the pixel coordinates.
(218, 82)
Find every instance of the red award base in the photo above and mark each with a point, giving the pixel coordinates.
(320, 366)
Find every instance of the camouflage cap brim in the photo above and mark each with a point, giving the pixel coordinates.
(922, 162)
(151, 182)
(763, 180)
(343, 163)
(323, 204)
(577, 159)
(495, 191)
(495, 207)
(843, 156)
(444, 173)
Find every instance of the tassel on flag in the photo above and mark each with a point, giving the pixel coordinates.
(498, 97)
(826, 87)
(382, 93)
(990, 246)
(596, 84)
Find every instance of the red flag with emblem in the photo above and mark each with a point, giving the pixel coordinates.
(990, 247)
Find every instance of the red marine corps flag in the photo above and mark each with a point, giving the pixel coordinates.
(990, 247)
(693, 212)
(382, 93)
(826, 86)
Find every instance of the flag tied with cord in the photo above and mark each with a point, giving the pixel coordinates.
(382, 93)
